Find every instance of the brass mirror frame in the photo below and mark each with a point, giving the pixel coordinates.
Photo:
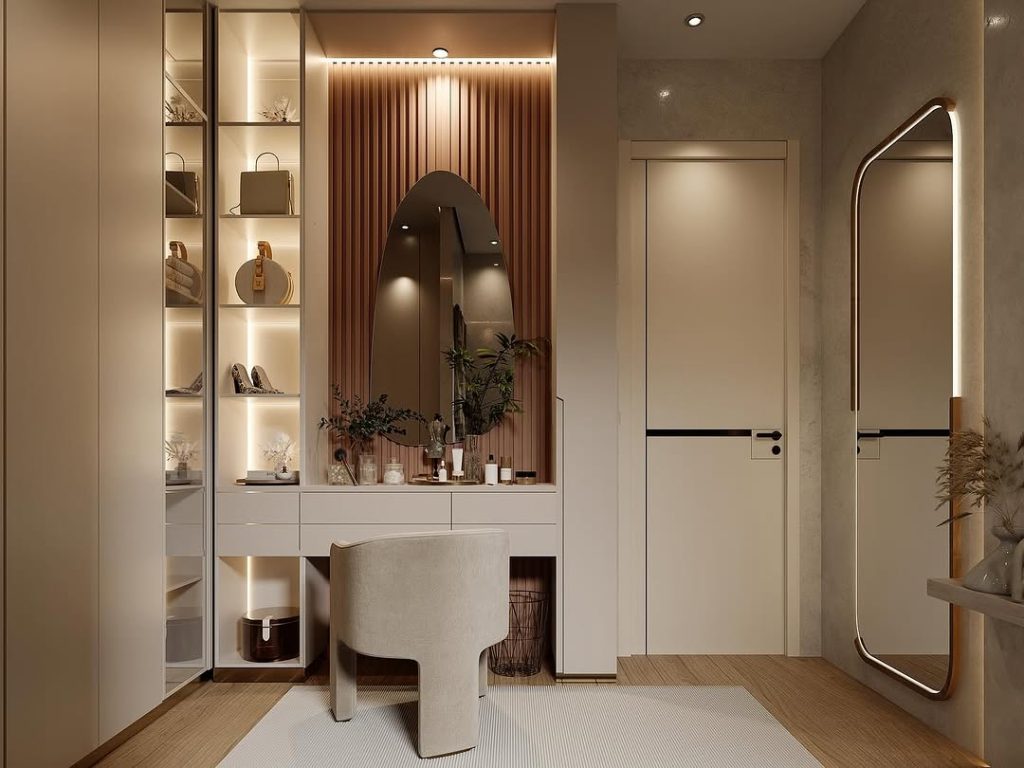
(949, 106)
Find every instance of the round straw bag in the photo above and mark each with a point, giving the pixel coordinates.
(262, 280)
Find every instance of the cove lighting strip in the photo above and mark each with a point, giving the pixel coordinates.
(440, 62)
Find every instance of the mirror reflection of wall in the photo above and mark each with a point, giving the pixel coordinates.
(442, 283)
(905, 271)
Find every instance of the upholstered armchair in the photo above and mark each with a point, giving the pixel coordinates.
(440, 599)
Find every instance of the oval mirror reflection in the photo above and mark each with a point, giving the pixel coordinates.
(442, 283)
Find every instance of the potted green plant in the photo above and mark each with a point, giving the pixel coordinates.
(357, 424)
(984, 468)
(485, 391)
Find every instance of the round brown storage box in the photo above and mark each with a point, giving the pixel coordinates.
(270, 634)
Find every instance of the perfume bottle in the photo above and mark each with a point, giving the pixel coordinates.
(505, 470)
(491, 471)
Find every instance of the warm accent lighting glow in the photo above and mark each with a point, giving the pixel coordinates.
(694, 20)
(494, 242)
(405, 226)
(466, 60)
(440, 53)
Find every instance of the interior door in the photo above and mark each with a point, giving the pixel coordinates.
(715, 406)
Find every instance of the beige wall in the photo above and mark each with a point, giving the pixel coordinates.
(747, 100)
(585, 171)
(1004, 331)
(892, 58)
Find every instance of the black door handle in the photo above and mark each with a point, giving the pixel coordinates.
(776, 435)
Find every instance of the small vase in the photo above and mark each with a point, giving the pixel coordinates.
(182, 470)
(992, 574)
(367, 469)
(472, 463)
(284, 474)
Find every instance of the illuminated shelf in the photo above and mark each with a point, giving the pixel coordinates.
(260, 216)
(176, 582)
(183, 488)
(198, 124)
(260, 306)
(258, 124)
(183, 215)
(265, 396)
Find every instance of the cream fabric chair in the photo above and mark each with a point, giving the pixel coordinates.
(440, 599)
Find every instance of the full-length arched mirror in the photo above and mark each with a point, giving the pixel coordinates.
(905, 395)
(442, 283)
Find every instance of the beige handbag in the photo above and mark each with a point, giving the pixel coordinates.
(265, 192)
(183, 283)
(262, 280)
(181, 190)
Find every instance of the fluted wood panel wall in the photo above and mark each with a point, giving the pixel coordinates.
(391, 124)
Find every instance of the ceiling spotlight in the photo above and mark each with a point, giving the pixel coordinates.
(440, 53)
(695, 19)
(405, 226)
(494, 242)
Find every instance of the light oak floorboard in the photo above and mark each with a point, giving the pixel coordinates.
(841, 722)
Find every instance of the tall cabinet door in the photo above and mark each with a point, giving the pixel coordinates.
(715, 406)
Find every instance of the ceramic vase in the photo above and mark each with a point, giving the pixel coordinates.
(992, 574)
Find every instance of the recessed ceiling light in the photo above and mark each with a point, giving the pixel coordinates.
(440, 53)
(494, 242)
(695, 19)
(405, 226)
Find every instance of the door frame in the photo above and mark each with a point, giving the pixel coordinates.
(632, 343)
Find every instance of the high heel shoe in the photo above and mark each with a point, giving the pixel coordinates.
(195, 388)
(243, 384)
(262, 381)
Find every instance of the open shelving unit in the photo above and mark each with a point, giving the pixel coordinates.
(187, 506)
(258, 64)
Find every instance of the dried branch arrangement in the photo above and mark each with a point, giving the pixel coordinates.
(984, 469)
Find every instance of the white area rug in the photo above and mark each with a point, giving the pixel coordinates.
(532, 727)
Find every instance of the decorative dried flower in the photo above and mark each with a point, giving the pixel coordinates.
(178, 111)
(985, 469)
(281, 111)
(279, 451)
(179, 450)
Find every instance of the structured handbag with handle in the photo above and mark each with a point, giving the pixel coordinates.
(181, 190)
(183, 282)
(265, 192)
(262, 280)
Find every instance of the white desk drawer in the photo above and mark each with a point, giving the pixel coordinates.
(526, 540)
(376, 507)
(317, 539)
(257, 507)
(257, 540)
(495, 507)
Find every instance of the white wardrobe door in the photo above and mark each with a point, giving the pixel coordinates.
(715, 548)
(715, 237)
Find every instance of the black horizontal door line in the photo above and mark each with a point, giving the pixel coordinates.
(905, 433)
(699, 432)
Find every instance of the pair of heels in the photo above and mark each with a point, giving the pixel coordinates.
(259, 384)
(195, 388)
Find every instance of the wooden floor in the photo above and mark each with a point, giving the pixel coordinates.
(841, 722)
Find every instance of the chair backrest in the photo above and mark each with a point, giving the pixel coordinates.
(410, 596)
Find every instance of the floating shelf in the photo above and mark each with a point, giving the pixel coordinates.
(174, 583)
(265, 396)
(183, 215)
(183, 488)
(260, 216)
(258, 124)
(199, 124)
(260, 306)
(997, 607)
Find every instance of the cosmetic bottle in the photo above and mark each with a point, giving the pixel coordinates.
(505, 470)
(456, 463)
(491, 471)
(442, 473)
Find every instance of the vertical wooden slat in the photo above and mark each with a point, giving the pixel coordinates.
(490, 124)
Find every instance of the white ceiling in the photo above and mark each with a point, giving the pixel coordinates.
(654, 29)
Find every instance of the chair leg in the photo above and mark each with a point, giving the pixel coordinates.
(449, 706)
(343, 680)
(483, 673)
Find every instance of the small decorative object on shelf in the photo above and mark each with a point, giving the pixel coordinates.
(262, 281)
(457, 472)
(181, 451)
(986, 469)
(265, 192)
(526, 477)
(178, 111)
(281, 111)
(183, 282)
(358, 424)
(270, 634)
(434, 449)
(394, 472)
(279, 452)
(505, 470)
(192, 390)
(340, 474)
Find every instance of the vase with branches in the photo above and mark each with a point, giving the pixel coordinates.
(181, 451)
(485, 389)
(985, 469)
(279, 453)
(356, 424)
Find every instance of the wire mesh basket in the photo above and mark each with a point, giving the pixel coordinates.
(521, 654)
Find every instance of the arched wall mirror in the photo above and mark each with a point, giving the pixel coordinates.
(905, 394)
(442, 283)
